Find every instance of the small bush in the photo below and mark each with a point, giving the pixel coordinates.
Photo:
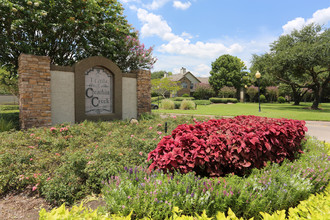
(263, 99)
(167, 104)
(177, 104)
(227, 92)
(6, 125)
(203, 91)
(185, 95)
(223, 100)
(187, 105)
(219, 147)
(281, 99)
(183, 98)
(202, 102)
(252, 92)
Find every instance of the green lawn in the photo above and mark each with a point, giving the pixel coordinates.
(275, 110)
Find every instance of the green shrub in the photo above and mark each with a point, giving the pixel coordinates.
(202, 102)
(187, 105)
(227, 92)
(223, 100)
(203, 91)
(177, 104)
(281, 99)
(8, 107)
(185, 95)
(263, 99)
(78, 212)
(167, 104)
(6, 125)
(183, 98)
(155, 99)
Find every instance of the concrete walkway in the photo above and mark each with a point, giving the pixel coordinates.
(318, 129)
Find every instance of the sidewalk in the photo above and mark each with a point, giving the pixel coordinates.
(319, 129)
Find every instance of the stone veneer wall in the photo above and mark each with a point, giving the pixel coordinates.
(34, 91)
(143, 85)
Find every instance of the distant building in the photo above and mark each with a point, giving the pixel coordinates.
(187, 81)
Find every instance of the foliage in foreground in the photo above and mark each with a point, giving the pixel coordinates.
(275, 187)
(232, 145)
(66, 162)
(315, 207)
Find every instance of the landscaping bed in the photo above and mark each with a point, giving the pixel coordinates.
(66, 163)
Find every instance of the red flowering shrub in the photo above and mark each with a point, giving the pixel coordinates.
(232, 145)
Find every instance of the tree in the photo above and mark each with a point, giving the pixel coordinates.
(203, 91)
(164, 86)
(267, 66)
(159, 74)
(68, 31)
(302, 60)
(228, 71)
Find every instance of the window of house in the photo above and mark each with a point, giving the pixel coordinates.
(191, 85)
(184, 85)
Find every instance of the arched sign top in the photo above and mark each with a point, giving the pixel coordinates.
(98, 89)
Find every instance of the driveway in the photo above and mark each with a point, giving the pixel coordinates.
(319, 129)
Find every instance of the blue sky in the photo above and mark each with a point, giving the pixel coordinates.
(194, 33)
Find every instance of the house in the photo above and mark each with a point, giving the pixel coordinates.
(187, 81)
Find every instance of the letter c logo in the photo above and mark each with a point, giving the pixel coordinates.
(89, 92)
(96, 99)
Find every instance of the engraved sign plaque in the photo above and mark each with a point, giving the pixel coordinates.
(98, 91)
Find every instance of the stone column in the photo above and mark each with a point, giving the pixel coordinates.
(143, 87)
(34, 91)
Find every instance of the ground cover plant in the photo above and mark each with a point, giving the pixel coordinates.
(271, 110)
(66, 162)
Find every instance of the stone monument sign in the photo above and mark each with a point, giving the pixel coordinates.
(98, 91)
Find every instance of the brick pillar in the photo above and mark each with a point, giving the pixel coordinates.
(34, 91)
(143, 87)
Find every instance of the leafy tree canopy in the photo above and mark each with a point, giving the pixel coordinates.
(68, 31)
(159, 74)
(302, 60)
(164, 86)
(227, 70)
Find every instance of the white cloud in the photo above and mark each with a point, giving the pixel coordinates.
(154, 25)
(156, 4)
(186, 35)
(183, 46)
(181, 5)
(321, 17)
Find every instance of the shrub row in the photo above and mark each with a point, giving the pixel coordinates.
(184, 105)
(8, 107)
(155, 99)
(223, 100)
(223, 146)
(183, 98)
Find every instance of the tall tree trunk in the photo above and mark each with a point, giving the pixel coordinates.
(296, 95)
(317, 99)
